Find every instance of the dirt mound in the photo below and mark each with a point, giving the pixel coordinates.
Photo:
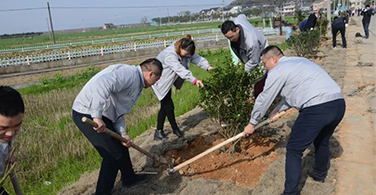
(244, 167)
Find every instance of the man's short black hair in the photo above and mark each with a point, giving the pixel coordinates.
(227, 26)
(148, 64)
(367, 6)
(11, 103)
(273, 49)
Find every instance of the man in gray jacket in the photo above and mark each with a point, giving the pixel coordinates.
(307, 87)
(245, 41)
(106, 98)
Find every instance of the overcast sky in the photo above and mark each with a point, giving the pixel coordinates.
(35, 20)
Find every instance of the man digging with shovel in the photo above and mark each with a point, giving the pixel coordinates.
(307, 87)
(105, 99)
(12, 109)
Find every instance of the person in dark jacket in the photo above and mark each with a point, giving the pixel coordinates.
(339, 24)
(302, 25)
(366, 20)
(311, 21)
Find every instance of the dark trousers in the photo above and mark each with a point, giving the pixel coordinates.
(314, 124)
(167, 109)
(3, 191)
(335, 30)
(366, 29)
(115, 155)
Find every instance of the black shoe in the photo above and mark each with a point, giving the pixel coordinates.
(178, 133)
(135, 180)
(314, 177)
(159, 135)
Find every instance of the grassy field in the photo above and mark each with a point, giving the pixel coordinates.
(72, 37)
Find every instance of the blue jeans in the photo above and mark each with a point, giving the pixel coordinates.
(366, 31)
(314, 124)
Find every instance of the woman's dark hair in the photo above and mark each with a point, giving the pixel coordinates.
(186, 44)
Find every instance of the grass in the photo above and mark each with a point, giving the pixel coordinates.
(101, 34)
(52, 149)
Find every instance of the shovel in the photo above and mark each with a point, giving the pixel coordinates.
(122, 139)
(208, 151)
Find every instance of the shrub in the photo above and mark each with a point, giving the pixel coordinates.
(299, 16)
(59, 78)
(322, 25)
(304, 43)
(226, 95)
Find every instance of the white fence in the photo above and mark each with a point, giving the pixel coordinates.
(55, 56)
(40, 58)
(266, 31)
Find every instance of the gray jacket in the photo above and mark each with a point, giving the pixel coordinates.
(175, 70)
(251, 45)
(111, 93)
(300, 82)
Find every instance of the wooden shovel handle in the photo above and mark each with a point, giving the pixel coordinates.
(15, 184)
(206, 152)
(118, 137)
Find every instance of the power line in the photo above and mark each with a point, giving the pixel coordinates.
(136, 7)
(121, 7)
(22, 9)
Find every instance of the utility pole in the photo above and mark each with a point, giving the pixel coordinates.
(83, 25)
(329, 18)
(117, 22)
(160, 17)
(48, 27)
(52, 28)
(223, 6)
(168, 15)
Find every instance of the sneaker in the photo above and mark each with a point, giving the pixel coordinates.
(178, 133)
(344, 47)
(312, 175)
(159, 135)
(135, 180)
(334, 47)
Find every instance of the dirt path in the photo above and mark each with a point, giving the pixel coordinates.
(356, 165)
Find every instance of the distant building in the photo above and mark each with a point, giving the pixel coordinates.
(211, 11)
(319, 4)
(232, 10)
(306, 7)
(288, 9)
(109, 26)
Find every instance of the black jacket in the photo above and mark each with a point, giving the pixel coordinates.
(367, 16)
(339, 22)
(311, 22)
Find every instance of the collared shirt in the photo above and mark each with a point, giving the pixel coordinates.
(5, 149)
(300, 82)
(111, 93)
